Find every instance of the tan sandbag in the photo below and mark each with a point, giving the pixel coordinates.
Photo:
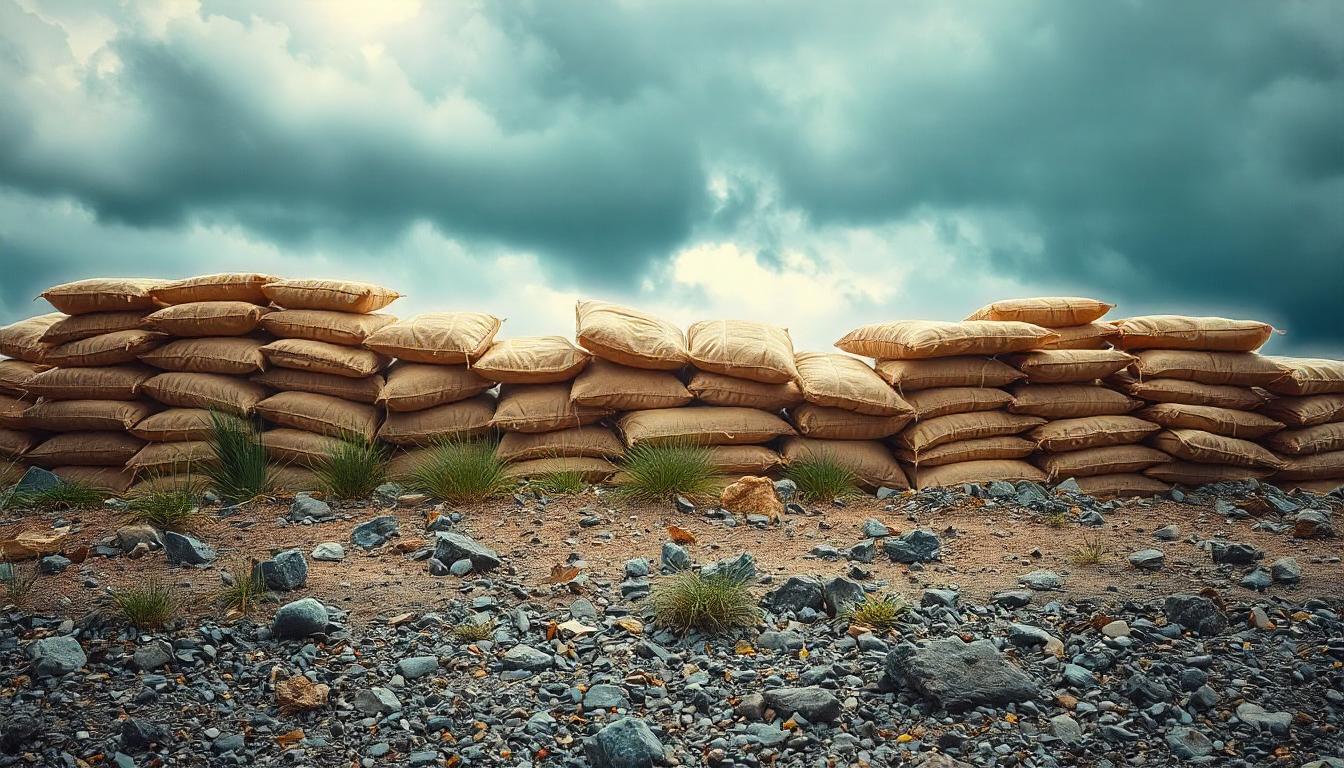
(233, 356)
(532, 360)
(869, 460)
(1211, 334)
(1122, 485)
(1318, 487)
(1188, 392)
(188, 481)
(1307, 376)
(366, 389)
(1191, 474)
(702, 425)
(589, 469)
(1238, 369)
(1098, 335)
(180, 458)
(1308, 440)
(294, 479)
(841, 381)
(1207, 448)
(977, 449)
(818, 421)
(1247, 425)
(465, 418)
(177, 425)
(924, 435)
(224, 286)
(977, 473)
(717, 389)
(115, 348)
(403, 466)
(742, 348)
(1091, 432)
(590, 441)
(1109, 459)
(1045, 311)
(22, 340)
(111, 479)
(417, 386)
(1070, 366)
(1306, 411)
(14, 443)
(331, 295)
(911, 375)
(75, 327)
(737, 460)
(14, 375)
(112, 382)
(629, 337)
(86, 415)
(298, 447)
(323, 414)
(103, 294)
(323, 357)
(920, 339)
(1069, 401)
(85, 449)
(1318, 466)
(12, 410)
(344, 328)
(207, 318)
(211, 391)
(438, 338)
(542, 408)
(604, 384)
(945, 401)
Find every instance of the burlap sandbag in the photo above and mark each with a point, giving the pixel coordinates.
(1211, 334)
(22, 340)
(742, 348)
(403, 465)
(224, 286)
(532, 360)
(1096, 335)
(12, 410)
(177, 425)
(589, 469)
(1188, 392)
(76, 327)
(294, 478)
(207, 318)
(190, 480)
(1238, 369)
(869, 460)
(738, 460)
(212, 391)
(463, 419)
(841, 381)
(1306, 411)
(323, 357)
(1122, 485)
(332, 295)
(978, 449)
(232, 356)
(945, 401)
(604, 384)
(1318, 466)
(362, 390)
(1307, 376)
(344, 328)
(323, 414)
(1247, 425)
(113, 382)
(1070, 366)
(1308, 440)
(717, 389)
(295, 446)
(1191, 474)
(590, 441)
(1207, 448)
(1110, 459)
(1091, 432)
(1045, 311)
(15, 374)
(86, 415)
(912, 375)
(920, 339)
(818, 421)
(1318, 487)
(702, 425)
(924, 435)
(103, 294)
(977, 473)
(85, 449)
(629, 337)
(187, 457)
(14, 443)
(1069, 401)
(417, 386)
(438, 338)
(115, 348)
(542, 408)
(111, 479)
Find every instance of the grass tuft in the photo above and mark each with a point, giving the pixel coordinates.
(558, 483)
(1091, 552)
(243, 589)
(353, 470)
(147, 606)
(688, 601)
(471, 632)
(876, 611)
(822, 479)
(461, 471)
(173, 510)
(1056, 519)
(18, 582)
(240, 471)
(67, 495)
(659, 472)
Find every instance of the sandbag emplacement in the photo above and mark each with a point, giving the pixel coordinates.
(110, 479)
(23, 339)
(323, 414)
(919, 339)
(924, 435)
(1207, 448)
(180, 458)
(702, 425)
(14, 374)
(176, 425)
(590, 470)
(1308, 440)
(323, 357)
(437, 338)
(232, 356)
(205, 390)
(86, 415)
(1189, 392)
(1097, 335)
(366, 389)
(95, 449)
(417, 386)
(1070, 366)
(629, 337)
(1211, 334)
(114, 382)
(839, 424)
(1123, 484)
(1191, 474)
(115, 348)
(575, 442)
(1319, 466)
(870, 461)
(1091, 432)
(737, 460)
(332, 295)
(542, 408)
(975, 449)
(207, 318)
(1045, 311)
(945, 401)
(343, 328)
(748, 350)
(1238, 369)
(1069, 401)
(1306, 411)
(1308, 376)
(296, 446)
(1247, 425)
(76, 327)
(977, 473)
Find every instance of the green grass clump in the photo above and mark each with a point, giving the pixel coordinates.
(243, 589)
(1056, 519)
(67, 495)
(171, 510)
(471, 632)
(240, 471)
(558, 483)
(18, 582)
(461, 471)
(688, 601)
(875, 612)
(148, 605)
(1091, 552)
(353, 470)
(822, 479)
(659, 472)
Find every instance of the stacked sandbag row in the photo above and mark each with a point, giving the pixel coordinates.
(1309, 401)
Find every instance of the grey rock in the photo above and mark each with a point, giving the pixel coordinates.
(1168, 533)
(1257, 579)
(917, 546)
(182, 549)
(1147, 559)
(741, 568)
(155, 655)
(328, 551)
(128, 536)
(1078, 678)
(766, 734)
(637, 568)
(1041, 580)
(816, 705)
(1188, 743)
(461, 567)
(376, 532)
(17, 729)
(1069, 486)
(1066, 729)
(605, 696)
(1196, 613)
(416, 667)
(874, 529)
(780, 641)
(624, 743)
(53, 564)
(1276, 723)
(1312, 524)
(958, 675)
(376, 701)
(864, 551)
(528, 658)
(946, 598)
(1230, 553)
(55, 656)
(794, 595)
(305, 508)
(839, 592)
(674, 557)
(1012, 598)
(785, 489)
(36, 480)
(300, 618)
(1285, 570)
(285, 572)
(1091, 518)
(451, 547)
(437, 568)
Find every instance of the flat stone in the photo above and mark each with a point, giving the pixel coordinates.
(958, 675)
(815, 704)
(1231, 553)
(1042, 580)
(1170, 532)
(182, 549)
(155, 655)
(624, 743)
(605, 696)
(36, 480)
(1276, 723)
(376, 701)
(528, 658)
(328, 551)
(450, 547)
(55, 656)
(1147, 559)
(376, 532)
(917, 546)
(306, 508)
(415, 667)
(1066, 729)
(300, 618)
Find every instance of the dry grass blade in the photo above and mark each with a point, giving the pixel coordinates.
(688, 601)
(659, 472)
(822, 479)
(147, 606)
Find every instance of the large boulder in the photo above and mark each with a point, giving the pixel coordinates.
(451, 547)
(752, 496)
(625, 743)
(958, 675)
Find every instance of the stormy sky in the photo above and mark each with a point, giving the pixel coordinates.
(811, 164)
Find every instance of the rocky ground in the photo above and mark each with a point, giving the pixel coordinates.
(1209, 632)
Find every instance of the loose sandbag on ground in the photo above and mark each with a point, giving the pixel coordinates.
(1070, 366)
(1308, 440)
(187, 457)
(977, 449)
(103, 294)
(869, 460)
(205, 390)
(86, 415)
(323, 414)
(1238, 369)
(15, 374)
(590, 441)
(76, 327)
(207, 318)
(590, 470)
(111, 479)
(532, 360)
(437, 338)
(744, 349)
(1045, 311)
(1211, 334)
(323, 357)
(702, 425)
(362, 390)
(1247, 425)
(1306, 411)
(542, 408)
(1307, 376)
(417, 386)
(818, 421)
(22, 340)
(1096, 335)
(1319, 466)
(604, 384)
(331, 295)
(85, 449)
(977, 473)
(297, 446)
(177, 425)
(115, 348)
(465, 418)
(1188, 392)
(736, 460)
(717, 389)
(629, 337)
(1091, 432)
(235, 357)
(1122, 485)
(224, 286)
(113, 382)
(924, 435)
(841, 381)
(1110, 459)
(910, 375)
(1069, 401)
(1207, 448)
(919, 339)
(344, 328)
(945, 401)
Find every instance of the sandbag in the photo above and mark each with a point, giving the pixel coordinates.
(103, 294)
(362, 390)
(85, 415)
(179, 459)
(111, 479)
(207, 318)
(438, 338)
(1318, 487)
(532, 360)
(924, 435)
(224, 286)
(590, 441)
(1122, 485)
(463, 419)
(945, 401)
(85, 449)
(1308, 440)
(911, 375)
(1306, 411)
(1318, 466)
(323, 357)
(977, 449)
(818, 421)
(1192, 474)
(920, 339)
(542, 408)
(1070, 366)
(115, 348)
(1109, 459)
(188, 481)
(1045, 311)
(1207, 448)
(417, 386)
(1238, 369)
(702, 425)
(323, 414)
(604, 384)
(331, 295)
(717, 389)
(15, 374)
(1307, 376)
(869, 460)
(589, 469)
(1247, 425)
(738, 460)
(1091, 432)
(977, 473)
(1069, 401)
(1211, 334)
(294, 479)
(1188, 392)
(14, 443)
(75, 327)
(12, 411)
(742, 348)
(841, 381)
(344, 328)
(629, 337)
(177, 425)
(211, 391)
(233, 356)
(22, 340)
(296, 446)
(1098, 335)
(112, 382)
(403, 466)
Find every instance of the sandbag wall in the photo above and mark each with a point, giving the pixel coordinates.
(1309, 402)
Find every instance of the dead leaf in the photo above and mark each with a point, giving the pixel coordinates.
(575, 628)
(287, 740)
(630, 624)
(299, 694)
(680, 535)
(561, 574)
